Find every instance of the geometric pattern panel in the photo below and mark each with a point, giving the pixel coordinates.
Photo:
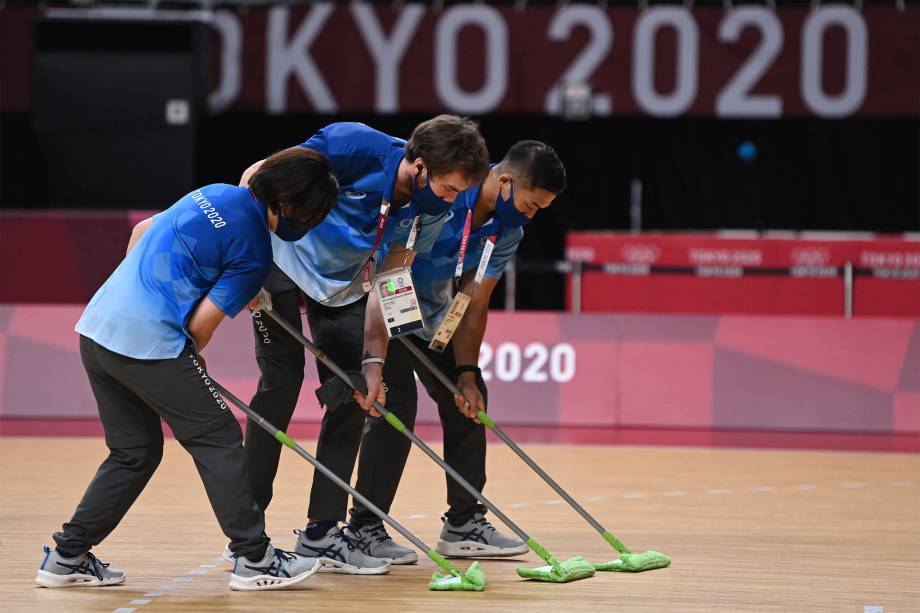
(549, 369)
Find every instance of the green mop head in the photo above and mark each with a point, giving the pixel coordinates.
(636, 562)
(473, 580)
(572, 569)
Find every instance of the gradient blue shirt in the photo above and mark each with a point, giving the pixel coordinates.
(328, 262)
(213, 242)
(433, 271)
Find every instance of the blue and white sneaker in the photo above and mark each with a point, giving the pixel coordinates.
(339, 554)
(374, 541)
(82, 571)
(276, 570)
(477, 538)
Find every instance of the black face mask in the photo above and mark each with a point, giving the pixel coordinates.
(291, 229)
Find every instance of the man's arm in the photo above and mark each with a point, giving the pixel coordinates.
(138, 232)
(204, 320)
(376, 339)
(468, 339)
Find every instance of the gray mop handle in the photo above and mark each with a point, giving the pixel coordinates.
(450, 385)
(284, 438)
(322, 357)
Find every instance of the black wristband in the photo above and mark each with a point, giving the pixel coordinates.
(468, 368)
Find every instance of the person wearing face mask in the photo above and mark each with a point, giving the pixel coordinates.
(489, 220)
(393, 193)
(141, 338)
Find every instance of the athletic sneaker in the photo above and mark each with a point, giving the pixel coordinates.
(228, 554)
(477, 538)
(339, 554)
(82, 571)
(374, 541)
(276, 570)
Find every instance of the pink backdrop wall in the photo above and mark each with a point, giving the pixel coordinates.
(740, 372)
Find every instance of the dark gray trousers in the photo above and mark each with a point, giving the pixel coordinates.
(384, 451)
(132, 395)
(339, 333)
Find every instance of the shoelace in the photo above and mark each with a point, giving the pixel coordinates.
(379, 533)
(92, 564)
(345, 538)
(482, 521)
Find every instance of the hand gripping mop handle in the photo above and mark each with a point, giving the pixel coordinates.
(397, 423)
(288, 441)
(485, 419)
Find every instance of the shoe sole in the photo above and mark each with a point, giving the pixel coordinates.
(472, 549)
(334, 566)
(268, 582)
(46, 579)
(228, 556)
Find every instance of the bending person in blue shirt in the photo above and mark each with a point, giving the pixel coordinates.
(526, 181)
(141, 338)
(393, 193)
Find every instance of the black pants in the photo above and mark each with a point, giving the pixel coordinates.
(338, 332)
(132, 395)
(384, 450)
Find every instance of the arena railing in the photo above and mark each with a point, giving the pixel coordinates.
(577, 268)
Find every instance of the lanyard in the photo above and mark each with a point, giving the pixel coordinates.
(464, 244)
(381, 225)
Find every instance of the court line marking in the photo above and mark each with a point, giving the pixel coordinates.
(209, 565)
(197, 571)
(140, 601)
(155, 594)
(124, 610)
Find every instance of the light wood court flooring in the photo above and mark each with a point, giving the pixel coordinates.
(748, 530)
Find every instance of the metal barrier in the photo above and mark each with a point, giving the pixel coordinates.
(577, 268)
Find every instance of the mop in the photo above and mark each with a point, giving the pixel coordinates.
(627, 560)
(555, 571)
(473, 580)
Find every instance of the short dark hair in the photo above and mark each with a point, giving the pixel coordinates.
(536, 165)
(297, 177)
(447, 143)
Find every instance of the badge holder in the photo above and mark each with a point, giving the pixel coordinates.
(398, 302)
(461, 300)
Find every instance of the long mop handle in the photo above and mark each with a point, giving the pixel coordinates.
(490, 423)
(289, 442)
(397, 423)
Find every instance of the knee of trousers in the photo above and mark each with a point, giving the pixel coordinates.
(143, 459)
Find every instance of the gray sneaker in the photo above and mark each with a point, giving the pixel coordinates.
(276, 570)
(82, 571)
(339, 554)
(374, 541)
(477, 538)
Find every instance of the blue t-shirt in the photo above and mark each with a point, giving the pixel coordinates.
(327, 263)
(433, 271)
(213, 242)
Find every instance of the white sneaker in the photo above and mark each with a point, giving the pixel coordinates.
(375, 542)
(339, 554)
(82, 571)
(477, 538)
(276, 570)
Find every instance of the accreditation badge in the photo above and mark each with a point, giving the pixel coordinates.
(398, 302)
(450, 322)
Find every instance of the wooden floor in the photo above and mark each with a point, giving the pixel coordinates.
(748, 530)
